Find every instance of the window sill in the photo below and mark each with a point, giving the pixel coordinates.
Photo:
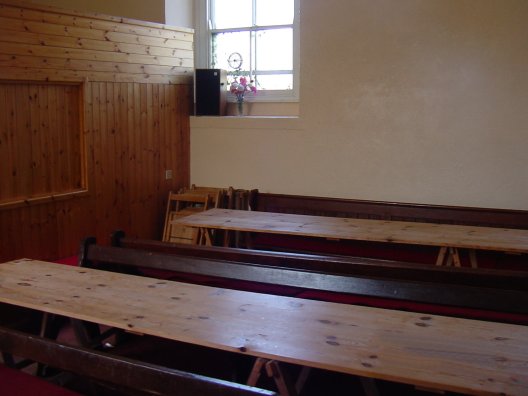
(246, 122)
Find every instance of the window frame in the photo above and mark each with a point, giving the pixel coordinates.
(203, 33)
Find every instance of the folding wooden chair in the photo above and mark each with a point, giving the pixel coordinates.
(179, 205)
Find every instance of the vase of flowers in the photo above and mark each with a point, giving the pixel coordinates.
(239, 87)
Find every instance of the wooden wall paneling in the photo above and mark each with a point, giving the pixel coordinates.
(64, 140)
(184, 97)
(134, 124)
(38, 179)
(144, 176)
(107, 69)
(15, 73)
(153, 161)
(119, 135)
(72, 136)
(5, 150)
(180, 43)
(75, 117)
(113, 144)
(41, 122)
(60, 139)
(165, 155)
(23, 147)
(121, 96)
(88, 135)
(93, 21)
(99, 182)
(53, 139)
(89, 220)
(8, 235)
(19, 35)
(148, 147)
(105, 196)
(132, 117)
(181, 141)
(22, 25)
(10, 185)
(106, 201)
(41, 46)
(92, 55)
(161, 42)
(22, 245)
(111, 149)
(72, 224)
(159, 170)
(35, 238)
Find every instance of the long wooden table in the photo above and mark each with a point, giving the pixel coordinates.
(444, 236)
(461, 355)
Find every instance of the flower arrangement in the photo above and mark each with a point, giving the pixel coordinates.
(241, 86)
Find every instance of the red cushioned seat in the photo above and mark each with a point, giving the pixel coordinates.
(15, 382)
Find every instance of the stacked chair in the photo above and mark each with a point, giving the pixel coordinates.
(195, 199)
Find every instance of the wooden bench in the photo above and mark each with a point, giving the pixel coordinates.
(407, 347)
(121, 373)
(346, 265)
(363, 209)
(307, 281)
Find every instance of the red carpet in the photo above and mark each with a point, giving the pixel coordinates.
(67, 260)
(18, 383)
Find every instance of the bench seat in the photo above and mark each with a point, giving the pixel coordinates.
(343, 298)
(381, 250)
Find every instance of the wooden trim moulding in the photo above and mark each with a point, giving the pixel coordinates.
(43, 199)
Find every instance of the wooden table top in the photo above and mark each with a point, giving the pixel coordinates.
(430, 234)
(453, 354)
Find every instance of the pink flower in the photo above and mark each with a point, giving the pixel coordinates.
(240, 86)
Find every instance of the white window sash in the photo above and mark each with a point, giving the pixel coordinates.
(203, 31)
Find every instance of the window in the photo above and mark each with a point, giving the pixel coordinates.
(256, 38)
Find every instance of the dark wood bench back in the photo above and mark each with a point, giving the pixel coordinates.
(396, 211)
(127, 374)
(502, 300)
(343, 265)
(391, 211)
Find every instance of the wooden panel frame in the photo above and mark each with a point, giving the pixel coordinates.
(52, 196)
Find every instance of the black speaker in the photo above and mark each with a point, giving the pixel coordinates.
(210, 91)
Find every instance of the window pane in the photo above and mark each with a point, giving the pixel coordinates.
(224, 44)
(274, 12)
(274, 49)
(275, 82)
(228, 14)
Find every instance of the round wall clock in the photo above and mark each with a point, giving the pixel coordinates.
(235, 61)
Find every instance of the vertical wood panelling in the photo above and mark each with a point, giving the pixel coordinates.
(41, 135)
(133, 132)
(134, 102)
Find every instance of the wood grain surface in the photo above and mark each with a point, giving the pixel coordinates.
(468, 356)
(430, 234)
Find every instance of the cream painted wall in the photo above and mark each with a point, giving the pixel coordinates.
(421, 101)
(151, 10)
(179, 13)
